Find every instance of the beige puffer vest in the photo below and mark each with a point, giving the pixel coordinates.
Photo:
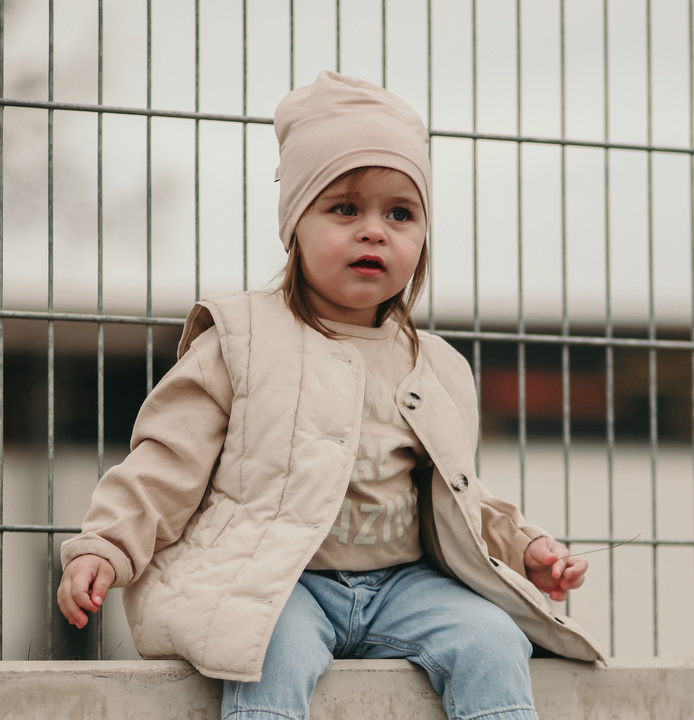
(213, 597)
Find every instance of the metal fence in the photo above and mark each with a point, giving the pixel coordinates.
(562, 141)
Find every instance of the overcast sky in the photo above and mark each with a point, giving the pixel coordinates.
(563, 195)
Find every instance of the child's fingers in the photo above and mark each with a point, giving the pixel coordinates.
(559, 595)
(80, 586)
(84, 585)
(571, 578)
(552, 569)
(69, 604)
(539, 554)
(83, 598)
(575, 574)
(102, 582)
(558, 568)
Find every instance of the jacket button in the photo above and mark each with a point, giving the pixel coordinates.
(459, 481)
(412, 400)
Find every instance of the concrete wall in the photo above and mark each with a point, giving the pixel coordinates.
(352, 690)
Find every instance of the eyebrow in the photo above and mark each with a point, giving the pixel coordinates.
(357, 196)
(407, 200)
(333, 196)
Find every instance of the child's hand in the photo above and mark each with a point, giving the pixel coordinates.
(84, 585)
(551, 568)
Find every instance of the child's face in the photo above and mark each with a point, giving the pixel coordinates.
(359, 244)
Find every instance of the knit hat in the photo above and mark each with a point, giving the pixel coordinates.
(338, 124)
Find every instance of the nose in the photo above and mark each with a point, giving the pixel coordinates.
(372, 229)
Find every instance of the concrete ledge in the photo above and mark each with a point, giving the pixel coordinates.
(653, 689)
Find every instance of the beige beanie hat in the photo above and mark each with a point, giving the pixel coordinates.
(338, 124)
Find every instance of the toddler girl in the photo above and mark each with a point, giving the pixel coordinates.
(301, 484)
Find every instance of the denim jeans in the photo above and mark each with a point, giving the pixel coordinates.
(475, 655)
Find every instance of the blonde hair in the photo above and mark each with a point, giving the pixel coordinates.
(399, 307)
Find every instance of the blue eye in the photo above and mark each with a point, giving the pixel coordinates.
(399, 214)
(346, 209)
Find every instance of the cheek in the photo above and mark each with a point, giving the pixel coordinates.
(323, 256)
(316, 265)
(418, 247)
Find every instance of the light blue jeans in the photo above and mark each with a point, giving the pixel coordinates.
(474, 654)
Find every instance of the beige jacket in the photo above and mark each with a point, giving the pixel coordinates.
(221, 504)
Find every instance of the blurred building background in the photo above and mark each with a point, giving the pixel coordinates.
(137, 171)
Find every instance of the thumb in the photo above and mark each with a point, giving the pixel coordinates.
(539, 554)
(541, 558)
(548, 555)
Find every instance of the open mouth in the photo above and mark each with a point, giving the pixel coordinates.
(368, 264)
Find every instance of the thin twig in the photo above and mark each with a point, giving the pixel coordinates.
(114, 652)
(607, 547)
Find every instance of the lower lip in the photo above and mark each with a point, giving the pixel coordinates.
(369, 271)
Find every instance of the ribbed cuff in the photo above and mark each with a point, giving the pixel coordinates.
(91, 544)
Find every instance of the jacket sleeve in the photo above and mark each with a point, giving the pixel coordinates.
(506, 531)
(503, 527)
(143, 504)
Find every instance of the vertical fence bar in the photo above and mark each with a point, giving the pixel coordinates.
(197, 151)
(2, 305)
(51, 335)
(150, 338)
(338, 35)
(292, 32)
(431, 319)
(149, 341)
(565, 357)
(244, 146)
(476, 324)
(384, 74)
(522, 419)
(609, 330)
(691, 203)
(652, 354)
(100, 285)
